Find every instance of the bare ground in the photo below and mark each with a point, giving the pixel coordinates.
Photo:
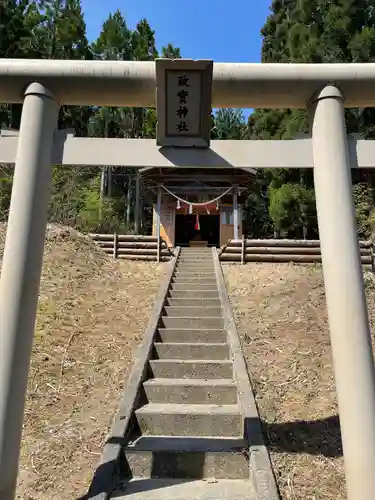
(281, 317)
(92, 315)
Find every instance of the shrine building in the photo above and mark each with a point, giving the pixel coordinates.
(198, 207)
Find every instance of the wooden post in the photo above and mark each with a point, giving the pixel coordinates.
(115, 239)
(137, 205)
(158, 209)
(243, 250)
(235, 213)
(102, 192)
(158, 250)
(128, 202)
(109, 182)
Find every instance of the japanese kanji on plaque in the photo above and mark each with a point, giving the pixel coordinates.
(183, 102)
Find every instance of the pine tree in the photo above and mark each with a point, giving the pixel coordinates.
(171, 52)
(143, 42)
(114, 41)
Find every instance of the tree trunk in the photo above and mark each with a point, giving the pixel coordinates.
(128, 201)
(102, 192)
(137, 212)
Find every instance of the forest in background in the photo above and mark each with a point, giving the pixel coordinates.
(282, 202)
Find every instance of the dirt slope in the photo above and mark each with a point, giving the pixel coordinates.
(92, 314)
(281, 317)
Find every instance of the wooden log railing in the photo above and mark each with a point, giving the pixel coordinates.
(272, 250)
(133, 247)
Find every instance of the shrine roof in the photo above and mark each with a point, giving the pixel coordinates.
(188, 180)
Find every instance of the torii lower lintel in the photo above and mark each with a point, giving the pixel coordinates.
(144, 153)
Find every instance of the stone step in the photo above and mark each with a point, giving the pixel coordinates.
(187, 458)
(174, 335)
(180, 286)
(196, 249)
(203, 283)
(193, 323)
(192, 260)
(191, 391)
(193, 294)
(193, 302)
(190, 350)
(192, 311)
(192, 368)
(207, 252)
(195, 258)
(190, 420)
(195, 269)
(207, 255)
(195, 262)
(164, 489)
(204, 280)
(197, 274)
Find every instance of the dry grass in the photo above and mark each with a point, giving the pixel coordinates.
(92, 314)
(281, 317)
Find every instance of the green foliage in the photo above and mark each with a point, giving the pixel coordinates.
(292, 209)
(114, 41)
(5, 191)
(171, 52)
(229, 124)
(94, 213)
(298, 31)
(143, 42)
(313, 31)
(364, 196)
(56, 29)
(76, 201)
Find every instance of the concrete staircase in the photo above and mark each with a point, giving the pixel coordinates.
(188, 431)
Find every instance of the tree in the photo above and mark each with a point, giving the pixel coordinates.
(18, 19)
(171, 52)
(61, 32)
(229, 124)
(114, 41)
(15, 28)
(117, 42)
(315, 31)
(143, 42)
(49, 29)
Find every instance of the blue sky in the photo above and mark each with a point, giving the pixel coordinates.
(222, 30)
(225, 31)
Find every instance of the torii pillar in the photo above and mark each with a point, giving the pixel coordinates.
(353, 360)
(21, 270)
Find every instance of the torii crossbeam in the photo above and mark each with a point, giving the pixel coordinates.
(325, 89)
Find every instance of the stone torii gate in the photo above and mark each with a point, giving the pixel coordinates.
(325, 89)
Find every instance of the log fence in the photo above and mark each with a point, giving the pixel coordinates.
(133, 247)
(273, 250)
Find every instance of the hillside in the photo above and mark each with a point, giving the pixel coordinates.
(92, 314)
(281, 317)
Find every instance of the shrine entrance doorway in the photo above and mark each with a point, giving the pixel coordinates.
(197, 230)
